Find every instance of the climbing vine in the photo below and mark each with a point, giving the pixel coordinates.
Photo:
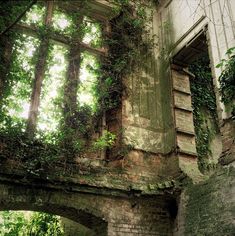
(128, 39)
(227, 80)
(204, 109)
(128, 42)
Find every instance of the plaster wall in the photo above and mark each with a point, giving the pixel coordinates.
(187, 18)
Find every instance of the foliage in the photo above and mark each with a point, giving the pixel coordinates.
(12, 223)
(17, 145)
(63, 129)
(42, 224)
(9, 11)
(204, 108)
(105, 141)
(227, 80)
(19, 223)
(128, 41)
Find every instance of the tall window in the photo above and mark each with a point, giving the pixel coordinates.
(54, 71)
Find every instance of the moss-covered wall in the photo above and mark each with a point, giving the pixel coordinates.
(105, 215)
(208, 208)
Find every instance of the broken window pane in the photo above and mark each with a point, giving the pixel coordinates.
(88, 80)
(50, 111)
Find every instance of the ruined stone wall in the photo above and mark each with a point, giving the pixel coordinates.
(228, 139)
(105, 215)
(141, 217)
(208, 208)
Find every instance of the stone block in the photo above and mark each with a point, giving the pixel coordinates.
(184, 120)
(186, 143)
(180, 82)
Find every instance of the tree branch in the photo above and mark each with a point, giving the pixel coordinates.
(18, 18)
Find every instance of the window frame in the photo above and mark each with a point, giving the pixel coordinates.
(98, 9)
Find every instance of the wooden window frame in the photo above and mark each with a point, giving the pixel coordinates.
(101, 11)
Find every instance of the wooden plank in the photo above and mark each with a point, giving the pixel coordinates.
(180, 81)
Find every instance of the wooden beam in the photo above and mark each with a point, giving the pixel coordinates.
(39, 74)
(60, 38)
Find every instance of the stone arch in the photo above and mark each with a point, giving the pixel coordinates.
(57, 202)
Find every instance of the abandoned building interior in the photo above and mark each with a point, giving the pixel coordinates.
(117, 117)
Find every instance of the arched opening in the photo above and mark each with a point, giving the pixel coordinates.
(41, 222)
(75, 211)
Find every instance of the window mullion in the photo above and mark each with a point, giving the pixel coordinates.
(72, 80)
(39, 74)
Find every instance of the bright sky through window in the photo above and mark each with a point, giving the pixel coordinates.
(52, 90)
(35, 15)
(61, 22)
(88, 80)
(92, 34)
(19, 99)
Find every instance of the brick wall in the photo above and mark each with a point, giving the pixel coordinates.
(208, 208)
(142, 217)
(228, 140)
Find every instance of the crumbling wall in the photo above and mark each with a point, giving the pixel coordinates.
(208, 208)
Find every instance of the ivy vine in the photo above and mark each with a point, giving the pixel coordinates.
(227, 81)
(204, 109)
(127, 41)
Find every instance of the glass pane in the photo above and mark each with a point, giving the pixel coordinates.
(20, 78)
(92, 33)
(50, 110)
(88, 80)
(62, 22)
(35, 16)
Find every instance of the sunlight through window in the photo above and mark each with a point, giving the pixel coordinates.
(92, 34)
(52, 90)
(35, 15)
(36, 80)
(61, 22)
(88, 80)
(22, 72)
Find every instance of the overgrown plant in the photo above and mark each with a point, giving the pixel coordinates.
(105, 141)
(128, 39)
(21, 223)
(204, 109)
(227, 81)
(128, 42)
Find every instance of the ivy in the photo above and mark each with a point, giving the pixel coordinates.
(227, 80)
(128, 40)
(105, 141)
(204, 109)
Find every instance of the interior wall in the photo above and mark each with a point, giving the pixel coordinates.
(188, 18)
